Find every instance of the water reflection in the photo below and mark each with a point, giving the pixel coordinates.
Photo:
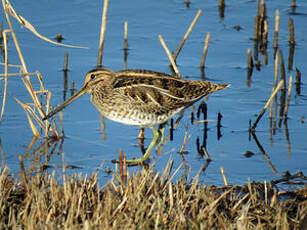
(65, 85)
(287, 137)
(282, 106)
(218, 127)
(171, 129)
(72, 88)
(203, 109)
(298, 81)
(2, 154)
(65, 70)
(291, 54)
(125, 45)
(141, 144)
(40, 150)
(102, 127)
(203, 74)
(266, 156)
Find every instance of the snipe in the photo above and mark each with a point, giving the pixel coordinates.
(140, 97)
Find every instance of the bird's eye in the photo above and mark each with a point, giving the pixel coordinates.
(93, 76)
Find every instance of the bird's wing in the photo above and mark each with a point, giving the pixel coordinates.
(143, 73)
(160, 92)
(154, 94)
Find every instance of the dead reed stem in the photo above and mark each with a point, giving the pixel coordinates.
(147, 199)
(250, 63)
(61, 123)
(126, 35)
(256, 41)
(291, 44)
(221, 10)
(187, 3)
(221, 3)
(290, 57)
(265, 193)
(206, 153)
(203, 59)
(298, 81)
(257, 19)
(275, 80)
(169, 56)
(26, 78)
(224, 177)
(265, 33)
(65, 62)
(4, 33)
(275, 44)
(293, 3)
(282, 69)
(72, 88)
(59, 37)
(29, 111)
(11, 65)
(48, 102)
(184, 143)
(125, 44)
(287, 138)
(141, 133)
(12, 74)
(22, 174)
(187, 34)
(30, 27)
(250, 66)
(266, 105)
(283, 91)
(124, 177)
(288, 98)
(8, 9)
(102, 32)
(265, 43)
(24, 68)
(263, 10)
(120, 159)
(291, 32)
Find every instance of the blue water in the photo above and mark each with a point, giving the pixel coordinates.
(79, 22)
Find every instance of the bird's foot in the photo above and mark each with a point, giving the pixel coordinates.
(134, 162)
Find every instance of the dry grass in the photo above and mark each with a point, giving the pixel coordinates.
(147, 201)
(36, 109)
(169, 56)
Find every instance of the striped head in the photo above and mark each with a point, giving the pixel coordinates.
(96, 78)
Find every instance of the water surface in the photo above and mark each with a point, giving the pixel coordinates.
(86, 146)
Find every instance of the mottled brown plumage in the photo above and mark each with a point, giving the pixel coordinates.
(140, 97)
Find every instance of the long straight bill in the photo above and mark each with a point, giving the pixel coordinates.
(66, 103)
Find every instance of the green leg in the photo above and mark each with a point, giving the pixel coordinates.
(138, 161)
(161, 131)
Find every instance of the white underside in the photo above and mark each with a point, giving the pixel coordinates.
(143, 121)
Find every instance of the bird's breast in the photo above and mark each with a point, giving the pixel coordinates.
(130, 114)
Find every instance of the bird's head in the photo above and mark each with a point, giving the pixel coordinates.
(93, 79)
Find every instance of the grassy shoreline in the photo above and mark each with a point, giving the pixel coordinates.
(148, 200)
